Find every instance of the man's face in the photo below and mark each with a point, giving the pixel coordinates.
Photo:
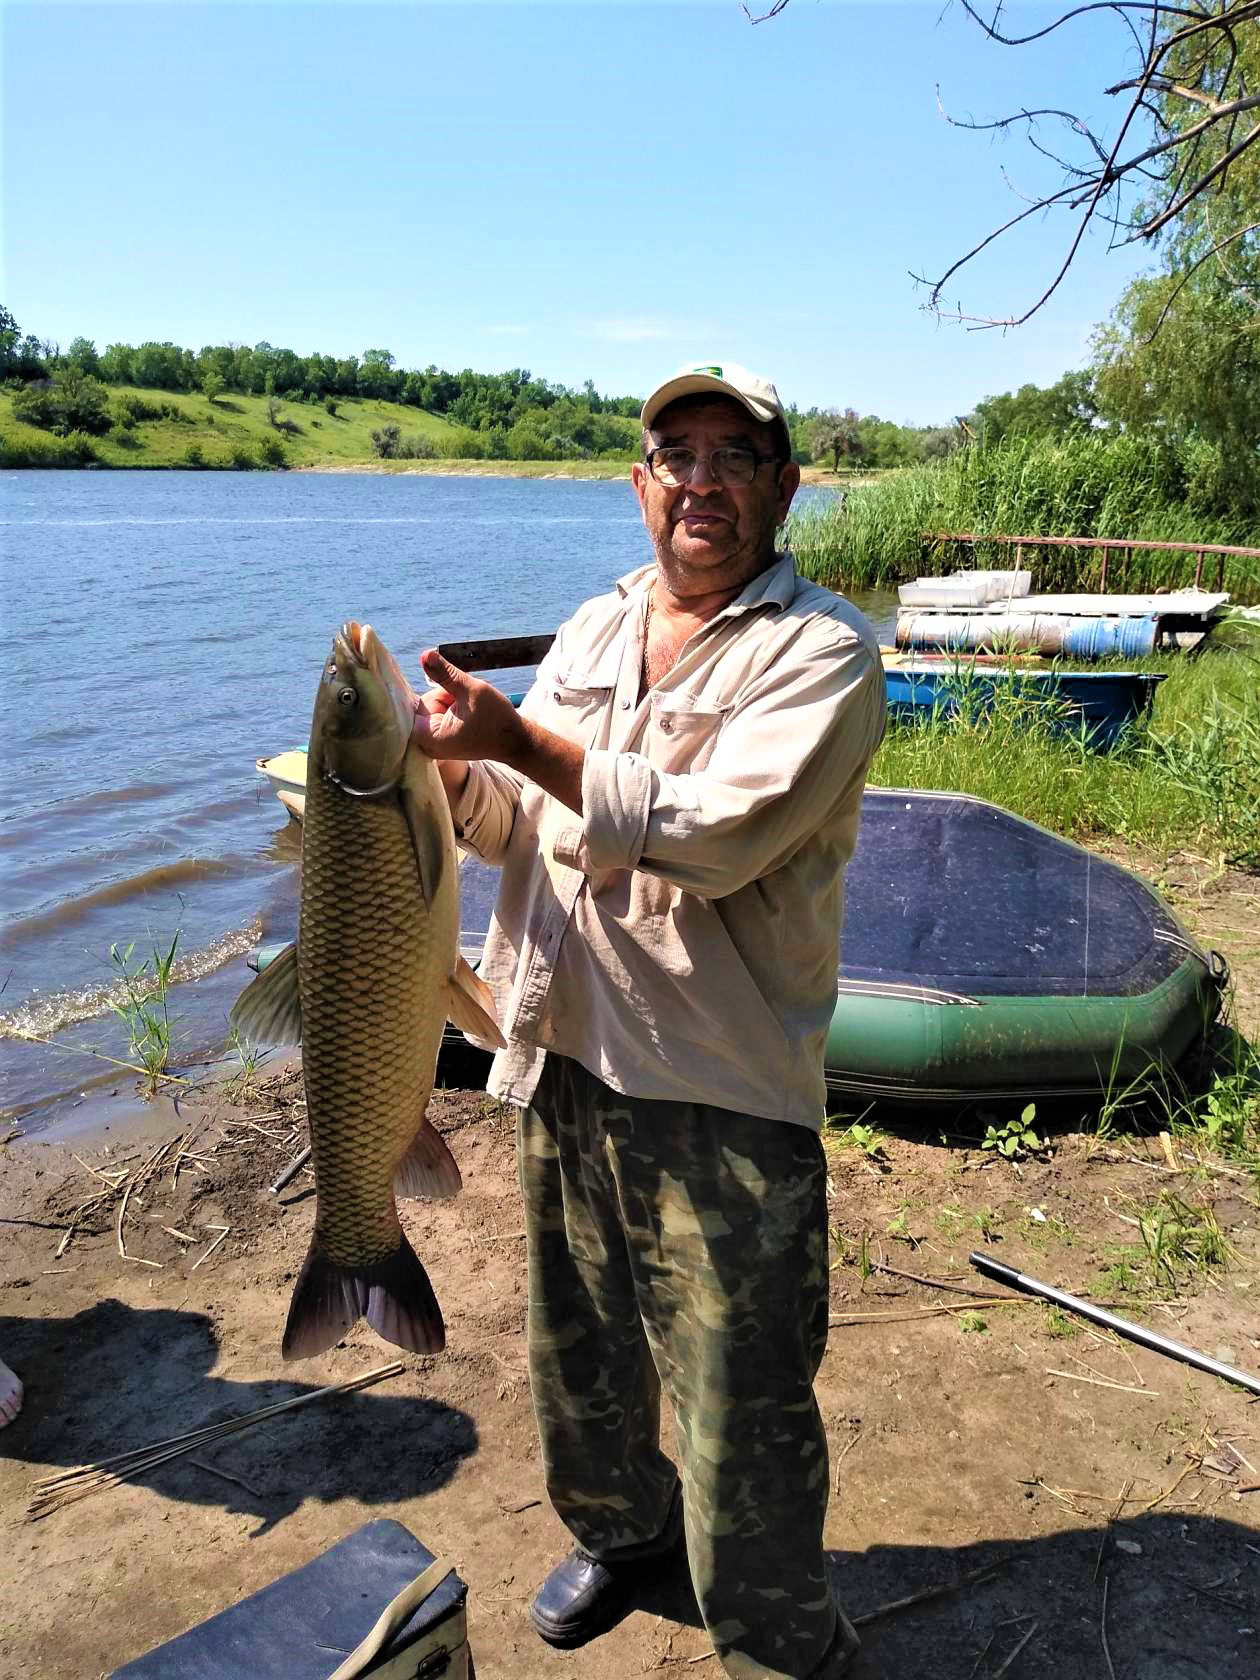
(707, 535)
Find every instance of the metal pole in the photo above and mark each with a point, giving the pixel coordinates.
(291, 1171)
(1122, 1326)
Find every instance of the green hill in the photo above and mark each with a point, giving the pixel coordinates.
(155, 428)
(177, 429)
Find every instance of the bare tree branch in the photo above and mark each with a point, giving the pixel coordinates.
(1189, 53)
(1197, 43)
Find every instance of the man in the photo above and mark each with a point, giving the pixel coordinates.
(673, 808)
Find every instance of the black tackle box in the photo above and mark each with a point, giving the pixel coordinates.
(303, 1626)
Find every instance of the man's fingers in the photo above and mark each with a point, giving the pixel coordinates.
(441, 672)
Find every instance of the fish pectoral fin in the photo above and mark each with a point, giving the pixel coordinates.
(426, 841)
(394, 1295)
(428, 1168)
(269, 1010)
(470, 1004)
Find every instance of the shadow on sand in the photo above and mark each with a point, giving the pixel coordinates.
(1186, 1606)
(112, 1378)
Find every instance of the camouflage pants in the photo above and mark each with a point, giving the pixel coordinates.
(681, 1245)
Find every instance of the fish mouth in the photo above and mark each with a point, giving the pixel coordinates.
(353, 642)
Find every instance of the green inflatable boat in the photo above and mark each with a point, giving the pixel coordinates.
(986, 957)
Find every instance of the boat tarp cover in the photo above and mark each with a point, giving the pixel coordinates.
(956, 894)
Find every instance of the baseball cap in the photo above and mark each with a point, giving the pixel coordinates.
(724, 379)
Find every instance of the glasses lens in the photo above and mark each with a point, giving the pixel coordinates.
(672, 467)
(734, 465)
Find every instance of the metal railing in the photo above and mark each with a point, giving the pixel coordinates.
(1109, 546)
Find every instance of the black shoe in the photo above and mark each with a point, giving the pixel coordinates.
(583, 1598)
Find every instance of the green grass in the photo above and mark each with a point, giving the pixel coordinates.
(1121, 486)
(235, 431)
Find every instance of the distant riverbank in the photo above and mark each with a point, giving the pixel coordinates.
(238, 433)
(817, 476)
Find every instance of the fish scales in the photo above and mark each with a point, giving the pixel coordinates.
(368, 961)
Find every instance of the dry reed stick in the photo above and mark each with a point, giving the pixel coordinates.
(1102, 1382)
(975, 1578)
(1102, 1628)
(223, 1231)
(71, 1485)
(998, 1673)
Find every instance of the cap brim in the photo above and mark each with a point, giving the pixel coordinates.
(693, 384)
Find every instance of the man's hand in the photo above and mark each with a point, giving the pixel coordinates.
(462, 718)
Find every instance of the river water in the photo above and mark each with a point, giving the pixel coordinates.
(161, 632)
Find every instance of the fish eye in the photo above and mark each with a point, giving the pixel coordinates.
(347, 697)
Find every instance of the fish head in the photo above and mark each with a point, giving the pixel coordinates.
(363, 713)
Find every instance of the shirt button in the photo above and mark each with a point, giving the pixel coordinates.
(625, 705)
(667, 726)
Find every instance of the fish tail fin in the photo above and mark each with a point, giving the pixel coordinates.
(394, 1295)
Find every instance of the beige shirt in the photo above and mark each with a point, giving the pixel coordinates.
(681, 938)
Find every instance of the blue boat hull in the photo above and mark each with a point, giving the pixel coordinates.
(1102, 703)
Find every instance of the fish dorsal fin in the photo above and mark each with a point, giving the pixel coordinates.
(470, 1004)
(269, 1010)
(426, 840)
(428, 1168)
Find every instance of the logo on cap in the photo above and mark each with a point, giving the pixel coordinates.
(715, 371)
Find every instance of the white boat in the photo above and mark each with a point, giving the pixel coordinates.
(286, 772)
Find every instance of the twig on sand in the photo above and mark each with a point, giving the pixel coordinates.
(982, 1302)
(935, 1283)
(975, 1578)
(998, 1673)
(1102, 1382)
(844, 1452)
(1169, 1491)
(223, 1230)
(71, 1485)
(135, 1259)
(1102, 1628)
(1115, 1516)
(226, 1475)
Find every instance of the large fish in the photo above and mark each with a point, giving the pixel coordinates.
(374, 975)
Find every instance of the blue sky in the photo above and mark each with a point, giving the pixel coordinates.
(590, 191)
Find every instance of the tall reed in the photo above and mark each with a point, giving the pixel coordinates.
(1118, 485)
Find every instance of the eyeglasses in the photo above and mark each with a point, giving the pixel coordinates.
(732, 466)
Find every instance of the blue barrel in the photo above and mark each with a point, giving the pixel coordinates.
(1096, 638)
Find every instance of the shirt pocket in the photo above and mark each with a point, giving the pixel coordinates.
(575, 707)
(681, 733)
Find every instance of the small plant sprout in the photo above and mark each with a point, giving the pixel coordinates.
(142, 1007)
(1016, 1138)
(971, 1324)
(867, 1139)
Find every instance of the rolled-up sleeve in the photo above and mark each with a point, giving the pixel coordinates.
(785, 757)
(486, 810)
